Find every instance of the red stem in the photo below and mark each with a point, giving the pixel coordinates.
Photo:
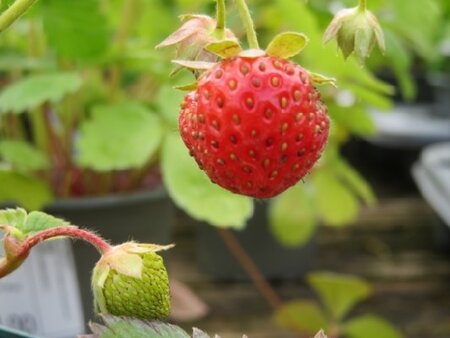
(17, 251)
(250, 268)
(70, 231)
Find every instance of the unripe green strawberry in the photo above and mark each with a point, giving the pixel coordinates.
(131, 280)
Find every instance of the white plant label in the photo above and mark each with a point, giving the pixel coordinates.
(42, 296)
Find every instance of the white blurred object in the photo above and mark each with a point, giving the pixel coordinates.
(432, 176)
(42, 296)
(409, 126)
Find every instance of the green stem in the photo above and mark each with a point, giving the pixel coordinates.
(129, 11)
(33, 49)
(248, 23)
(362, 5)
(14, 12)
(39, 130)
(220, 19)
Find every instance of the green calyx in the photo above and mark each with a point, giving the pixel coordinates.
(131, 280)
(215, 42)
(356, 30)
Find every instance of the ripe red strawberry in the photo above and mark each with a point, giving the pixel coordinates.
(256, 126)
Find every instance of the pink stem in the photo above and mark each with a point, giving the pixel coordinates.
(17, 251)
(70, 231)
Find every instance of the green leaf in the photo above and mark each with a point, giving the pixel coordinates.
(169, 101)
(27, 191)
(337, 205)
(14, 61)
(37, 221)
(156, 20)
(197, 333)
(355, 119)
(195, 65)
(355, 181)
(292, 217)
(287, 44)
(192, 191)
(419, 24)
(118, 136)
(301, 316)
(23, 156)
(367, 96)
(5, 4)
(126, 327)
(35, 90)
(187, 87)
(319, 79)
(133, 328)
(225, 48)
(75, 29)
(339, 293)
(401, 61)
(370, 326)
(13, 217)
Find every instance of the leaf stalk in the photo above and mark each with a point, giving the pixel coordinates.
(247, 21)
(220, 19)
(11, 14)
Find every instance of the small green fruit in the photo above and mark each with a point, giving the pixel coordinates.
(131, 280)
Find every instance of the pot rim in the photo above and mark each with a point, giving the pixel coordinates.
(119, 199)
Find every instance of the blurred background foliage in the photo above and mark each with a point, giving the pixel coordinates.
(87, 106)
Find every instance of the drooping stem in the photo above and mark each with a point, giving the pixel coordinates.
(250, 268)
(248, 23)
(14, 12)
(68, 231)
(17, 250)
(220, 19)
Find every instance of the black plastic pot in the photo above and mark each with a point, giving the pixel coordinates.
(275, 261)
(142, 216)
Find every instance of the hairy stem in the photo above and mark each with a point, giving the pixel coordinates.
(17, 251)
(248, 23)
(69, 231)
(250, 268)
(14, 12)
(220, 19)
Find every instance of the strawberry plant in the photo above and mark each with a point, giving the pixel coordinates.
(256, 124)
(89, 112)
(129, 283)
(85, 113)
(338, 295)
(129, 279)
